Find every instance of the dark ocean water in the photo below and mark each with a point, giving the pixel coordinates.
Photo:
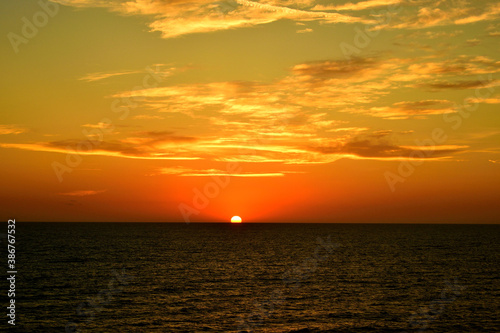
(144, 277)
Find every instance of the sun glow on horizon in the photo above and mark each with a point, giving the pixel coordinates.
(236, 219)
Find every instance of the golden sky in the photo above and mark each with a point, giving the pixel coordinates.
(277, 111)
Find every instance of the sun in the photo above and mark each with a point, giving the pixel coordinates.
(235, 219)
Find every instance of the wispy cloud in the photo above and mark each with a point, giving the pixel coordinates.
(377, 145)
(100, 125)
(302, 31)
(162, 70)
(493, 100)
(429, 34)
(110, 149)
(155, 138)
(362, 5)
(82, 193)
(459, 85)
(322, 84)
(12, 129)
(407, 110)
(473, 42)
(101, 76)
(147, 117)
(427, 14)
(461, 65)
(491, 13)
(293, 119)
(177, 18)
(186, 172)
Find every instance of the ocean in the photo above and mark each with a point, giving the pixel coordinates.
(176, 277)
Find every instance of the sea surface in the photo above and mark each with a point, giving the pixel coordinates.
(154, 277)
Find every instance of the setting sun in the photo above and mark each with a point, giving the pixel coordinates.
(235, 219)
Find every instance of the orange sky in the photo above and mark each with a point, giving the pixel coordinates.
(276, 111)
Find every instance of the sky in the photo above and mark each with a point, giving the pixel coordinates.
(375, 111)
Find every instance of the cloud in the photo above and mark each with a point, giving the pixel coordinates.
(186, 172)
(473, 42)
(101, 76)
(12, 129)
(350, 145)
(493, 100)
(177, 18)
(109, 149)
(162, 70)
(319, 84)
(492, 13)
(427, 14)
(304, 31)
(459, 85)
(378, 146)
(407, 110)
(362, 5)
(302, 105)
(100, 125)
(146, 117)
(461, 66)
(82, 193)
(429, 34)
(415, 46)
(329, 69)
(290, 120)
(249, 148)
(152, 138)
